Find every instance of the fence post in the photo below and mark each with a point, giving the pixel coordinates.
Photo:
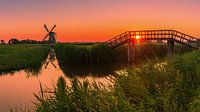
(170, 47)
(131, 51)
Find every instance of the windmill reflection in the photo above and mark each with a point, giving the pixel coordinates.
(51, 58)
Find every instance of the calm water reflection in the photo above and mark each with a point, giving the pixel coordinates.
(17, 88)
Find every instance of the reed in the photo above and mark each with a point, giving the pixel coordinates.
(81, 97)
(75, 54)
(153, 86)
(164, 86)
(97, 54)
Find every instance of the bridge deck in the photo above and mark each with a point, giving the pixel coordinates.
(154, 35)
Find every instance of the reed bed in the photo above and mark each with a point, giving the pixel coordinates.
(76, 54)
(170, 86)
(97, 54)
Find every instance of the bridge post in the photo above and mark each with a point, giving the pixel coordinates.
(170, 47)
(131, 51)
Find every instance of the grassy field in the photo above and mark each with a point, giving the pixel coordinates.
(150, 87)
(17, 57)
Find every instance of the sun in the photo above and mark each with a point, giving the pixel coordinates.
(137, 37)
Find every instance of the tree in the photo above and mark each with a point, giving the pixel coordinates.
(14, 41)
(2, 42)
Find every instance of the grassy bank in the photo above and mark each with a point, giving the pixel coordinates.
(87, 59)
(89, 55)
(94, 54)
(162, 87)
(146, 51)
(151, 87)
(17, 57)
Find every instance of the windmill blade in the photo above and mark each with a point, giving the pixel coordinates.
(53, 28)
(45, 26)
(45, 37)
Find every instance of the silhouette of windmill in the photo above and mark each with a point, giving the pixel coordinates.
(51, 36)
(51, 58)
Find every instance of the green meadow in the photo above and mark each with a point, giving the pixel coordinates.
(17, 57)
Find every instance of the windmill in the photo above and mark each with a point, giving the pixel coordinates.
(51, 36)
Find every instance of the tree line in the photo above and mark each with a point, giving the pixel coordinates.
(26, 41)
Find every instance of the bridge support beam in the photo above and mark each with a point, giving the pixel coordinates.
(131, 52)
(170, 47)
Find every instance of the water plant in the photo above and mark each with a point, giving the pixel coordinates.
(81, 97)
(151, 87)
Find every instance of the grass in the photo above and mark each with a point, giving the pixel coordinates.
(17, 57)
(146, 51)
(151, 87)
(162, 87)
(81, 97)
(84, 59)
(76, 54)
(95, 54)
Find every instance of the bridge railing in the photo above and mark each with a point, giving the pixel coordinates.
(154, 35)
(186, 39)
(120, 39)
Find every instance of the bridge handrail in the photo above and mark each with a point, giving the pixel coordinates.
(185, 35)
(114, 38)
(154, 34)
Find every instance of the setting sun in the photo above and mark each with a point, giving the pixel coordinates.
(137, 37)
(59, 55)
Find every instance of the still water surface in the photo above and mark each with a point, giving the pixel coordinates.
(16, 89)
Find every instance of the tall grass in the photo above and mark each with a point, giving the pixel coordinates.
(146, 51)
(161, 87)
(81, 97)
(102, 54)
(151, 87)
(17, 57)
(73, 54)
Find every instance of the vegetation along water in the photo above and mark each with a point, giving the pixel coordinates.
(17, 57)
(152, 85)
(96, 54)
(169, 86)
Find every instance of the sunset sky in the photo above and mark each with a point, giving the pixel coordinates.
(95, 20)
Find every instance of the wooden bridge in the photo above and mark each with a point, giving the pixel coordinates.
(171, 36)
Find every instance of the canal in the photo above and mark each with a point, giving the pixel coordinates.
(17, 88)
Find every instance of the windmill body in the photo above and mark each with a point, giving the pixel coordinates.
(50, 36)
(51, 39)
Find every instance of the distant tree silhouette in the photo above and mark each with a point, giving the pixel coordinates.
(26, 41)
(2, 42)
(14, 41)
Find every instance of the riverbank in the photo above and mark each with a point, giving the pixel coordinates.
(152, 86)
(86, 59)
(17, 57)
(100, 54)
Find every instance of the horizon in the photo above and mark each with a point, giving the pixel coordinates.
(94, 20)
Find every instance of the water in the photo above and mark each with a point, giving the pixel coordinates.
(16, 89)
